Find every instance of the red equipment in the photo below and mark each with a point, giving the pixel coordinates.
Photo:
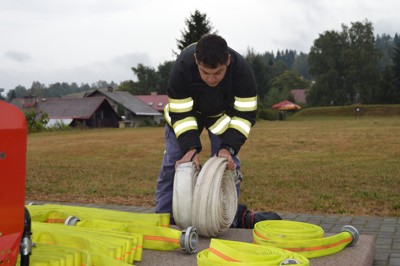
(13, 223)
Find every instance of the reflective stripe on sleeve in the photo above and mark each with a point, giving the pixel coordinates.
(166, 114)
(181, 126)
(241, 125)
(245, 104)
(220, 125)
(180, 105)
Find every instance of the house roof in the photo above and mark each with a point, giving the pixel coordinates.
(128, 100)
(63, 108)
(157, 102)
(76, 108)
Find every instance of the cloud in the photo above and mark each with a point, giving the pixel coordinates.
(17, 56)
(115, 69)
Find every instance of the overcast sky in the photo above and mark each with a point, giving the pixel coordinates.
(85, 41)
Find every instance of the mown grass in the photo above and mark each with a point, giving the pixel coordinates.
(336, 165)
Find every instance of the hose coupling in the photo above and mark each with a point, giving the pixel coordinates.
(237, 176)
(189, 239)
(289, 262)
(71, 220)
(354, 233)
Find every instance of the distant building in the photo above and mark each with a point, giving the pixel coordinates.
(299, 96)
(129, 106)
(155, 101)
(93, 112)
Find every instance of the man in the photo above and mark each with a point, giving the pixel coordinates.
(210, 87)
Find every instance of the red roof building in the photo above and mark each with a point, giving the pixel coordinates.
(154, 100)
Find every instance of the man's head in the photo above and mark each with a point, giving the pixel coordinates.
(212, 58)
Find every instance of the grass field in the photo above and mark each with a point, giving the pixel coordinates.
(304, 165)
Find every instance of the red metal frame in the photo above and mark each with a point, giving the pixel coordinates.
(13, 140)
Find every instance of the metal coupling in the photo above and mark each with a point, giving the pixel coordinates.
(354, 233)
(189, 240)
(26, 246)
(71, 220)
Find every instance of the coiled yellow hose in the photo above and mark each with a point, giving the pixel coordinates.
(56, 213)
(117, 246)
(303, 238)
(226, 252)
(149, 231)
(61, 255)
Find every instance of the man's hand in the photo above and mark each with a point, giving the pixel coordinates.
(230, 165)
(191, 155)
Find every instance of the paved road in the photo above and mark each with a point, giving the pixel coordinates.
(386, 229)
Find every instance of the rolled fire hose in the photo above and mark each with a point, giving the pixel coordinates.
(117, 246)
(207, 201)
(303, 238)
(184, 182)
(56, 213)
(152, 226)
(154, 237)
(56, 255)
(226, 252)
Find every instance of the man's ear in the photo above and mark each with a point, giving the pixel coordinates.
(229, 60)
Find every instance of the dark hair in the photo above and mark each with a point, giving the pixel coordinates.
(212, 50)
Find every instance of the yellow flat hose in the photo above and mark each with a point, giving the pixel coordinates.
(226, 252)
(58, 213)
(57, 255)
(117, 245)
(152, 227)
(156, 238)
(303, 238)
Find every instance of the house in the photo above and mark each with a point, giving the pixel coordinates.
(95, 112)
(155, 101)
(134, 110)
(299, 96)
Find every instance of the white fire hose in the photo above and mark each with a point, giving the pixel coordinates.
(206, 200)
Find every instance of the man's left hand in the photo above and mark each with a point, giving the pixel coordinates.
(230, 165)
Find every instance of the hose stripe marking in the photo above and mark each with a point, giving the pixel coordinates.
(221, 255)
(343, 241)
(161, 238)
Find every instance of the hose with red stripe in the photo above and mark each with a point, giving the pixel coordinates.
(226, 252)
(303, 238)
(155, 228)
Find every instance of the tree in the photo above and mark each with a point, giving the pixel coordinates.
(262, 72)
(288, 81)
(163, 72)
(385, 46)
(300, 65)
(396, 74)
(344, 65)
(197, 25)
(18, 92)
(148, 80)
(1, 94)
(361, 64)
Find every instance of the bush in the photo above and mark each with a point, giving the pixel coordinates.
(268, 114)
(35, 122)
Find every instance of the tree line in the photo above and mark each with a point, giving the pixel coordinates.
(342, 67)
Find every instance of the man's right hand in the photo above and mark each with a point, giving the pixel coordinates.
(191, 155)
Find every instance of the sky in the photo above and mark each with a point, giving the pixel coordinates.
(85, 41)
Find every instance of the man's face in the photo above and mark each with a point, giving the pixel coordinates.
(212, 76)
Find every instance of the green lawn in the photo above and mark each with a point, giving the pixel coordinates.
(303, 165)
